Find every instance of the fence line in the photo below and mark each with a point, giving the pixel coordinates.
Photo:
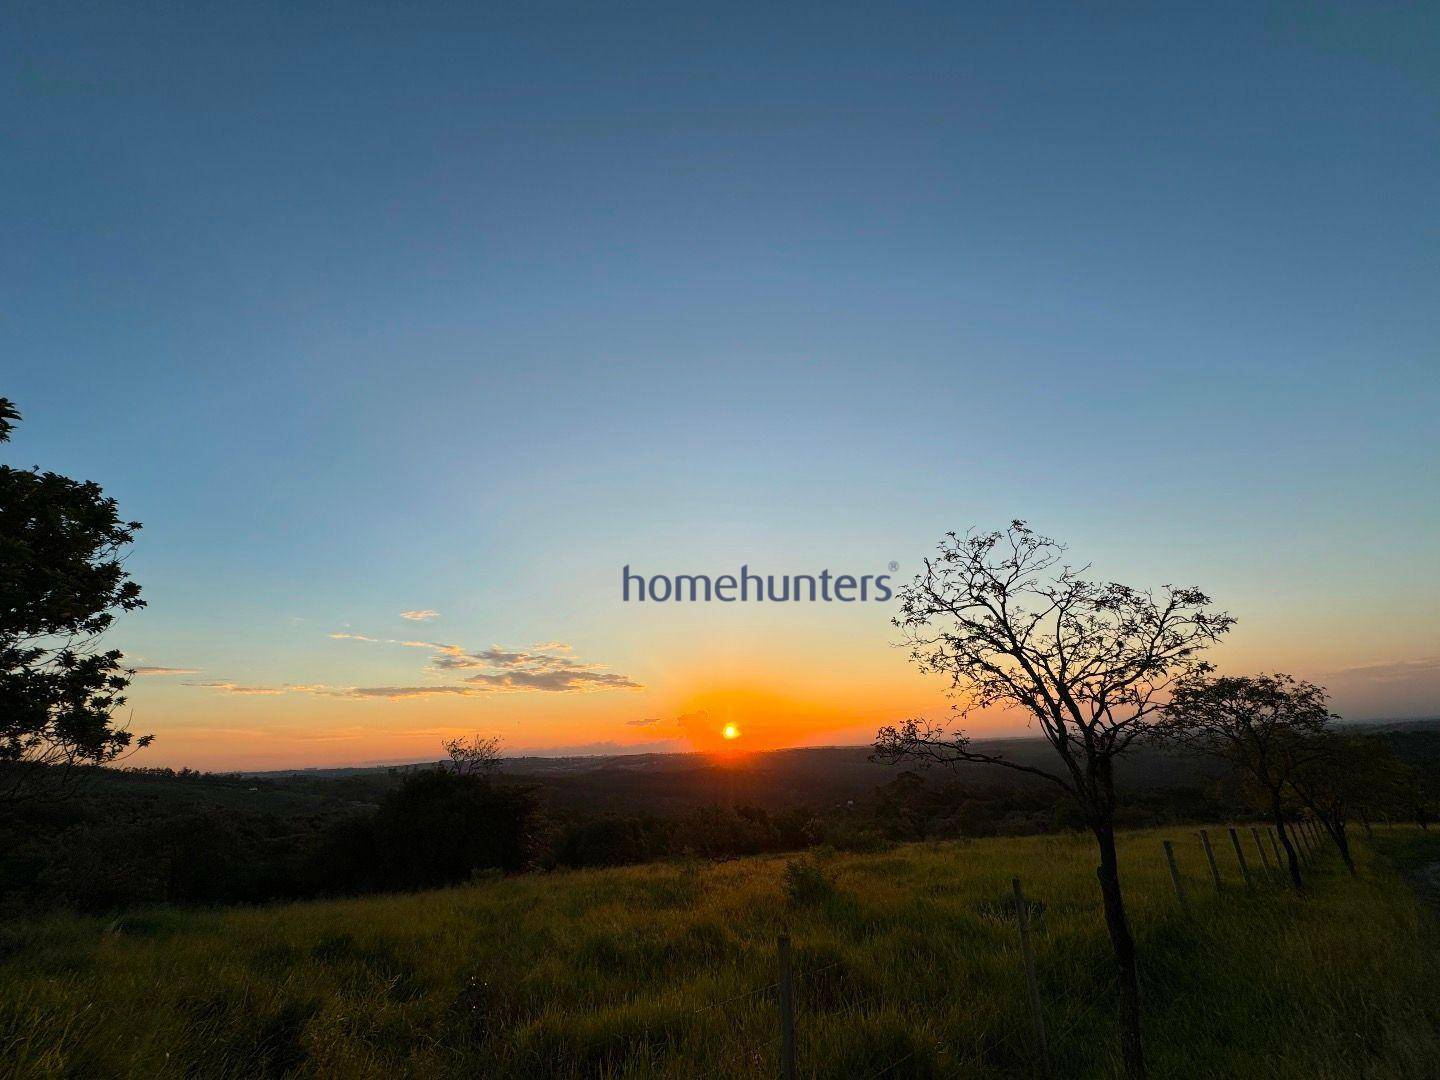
(1281, 862)
(1240, 858)
(1307, 840)
(1210, 857)
(1264, 858)
(1175, 874)
(737, 997)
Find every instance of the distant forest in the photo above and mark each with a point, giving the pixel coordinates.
(139, 836)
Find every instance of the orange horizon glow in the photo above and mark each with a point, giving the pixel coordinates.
(725, 697)
(222, 732)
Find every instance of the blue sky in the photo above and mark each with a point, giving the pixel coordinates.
(461, 309)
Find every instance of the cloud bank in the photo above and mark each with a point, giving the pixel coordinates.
(547, 668)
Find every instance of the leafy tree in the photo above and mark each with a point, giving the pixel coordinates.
(1340, 771)
(1090, 662)
(440, 826)
(1264, 726)
(901, 805)
(62, 579)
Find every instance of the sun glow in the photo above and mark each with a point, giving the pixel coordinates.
(738, 719)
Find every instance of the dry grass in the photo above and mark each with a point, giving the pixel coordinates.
(906, 961)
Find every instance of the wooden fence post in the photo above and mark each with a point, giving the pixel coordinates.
(1299, 845)
(1282, 865)
(1175, 874)
(1264, 857)
(1022, 916)
(1210, 857)
(787, 1013)
(1240, 858)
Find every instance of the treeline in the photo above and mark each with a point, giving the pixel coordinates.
(112, 846)
(105, 849)
(162, 837)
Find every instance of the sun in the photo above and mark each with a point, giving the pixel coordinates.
(731, 731)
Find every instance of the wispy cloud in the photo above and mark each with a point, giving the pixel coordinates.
(324, 690)
(150, 669)
(420, 615)
(555, 682)
(395, 641)
(395, 693)
(659, 724)
(234, 688)
(499, 656)
(1390, 670)
(603, 749)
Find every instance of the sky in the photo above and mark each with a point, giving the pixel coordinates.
(456, 310)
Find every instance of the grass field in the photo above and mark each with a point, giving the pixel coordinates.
(907, 965)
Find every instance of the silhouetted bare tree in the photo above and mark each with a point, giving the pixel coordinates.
(1012, 625)
(474, 756)
(1265, 726)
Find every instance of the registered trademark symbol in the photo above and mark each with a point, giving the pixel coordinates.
(894, 566)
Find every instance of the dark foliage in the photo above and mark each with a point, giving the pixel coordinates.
(62, 580)
(157, 836)
(440, 826)
(161, 837)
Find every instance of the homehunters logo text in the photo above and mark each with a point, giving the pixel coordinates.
(747, 587)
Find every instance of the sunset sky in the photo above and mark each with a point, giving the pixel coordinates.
(403, 332)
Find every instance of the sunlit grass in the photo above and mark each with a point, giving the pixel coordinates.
(907, 959)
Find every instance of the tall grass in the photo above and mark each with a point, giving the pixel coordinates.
(905, 960)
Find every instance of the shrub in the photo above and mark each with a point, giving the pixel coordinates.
(806, 883)
(439, 826)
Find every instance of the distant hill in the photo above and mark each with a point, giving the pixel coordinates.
(818, 778)
(778, 779)
(815, 777)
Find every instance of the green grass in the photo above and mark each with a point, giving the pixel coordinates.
(906, 959)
